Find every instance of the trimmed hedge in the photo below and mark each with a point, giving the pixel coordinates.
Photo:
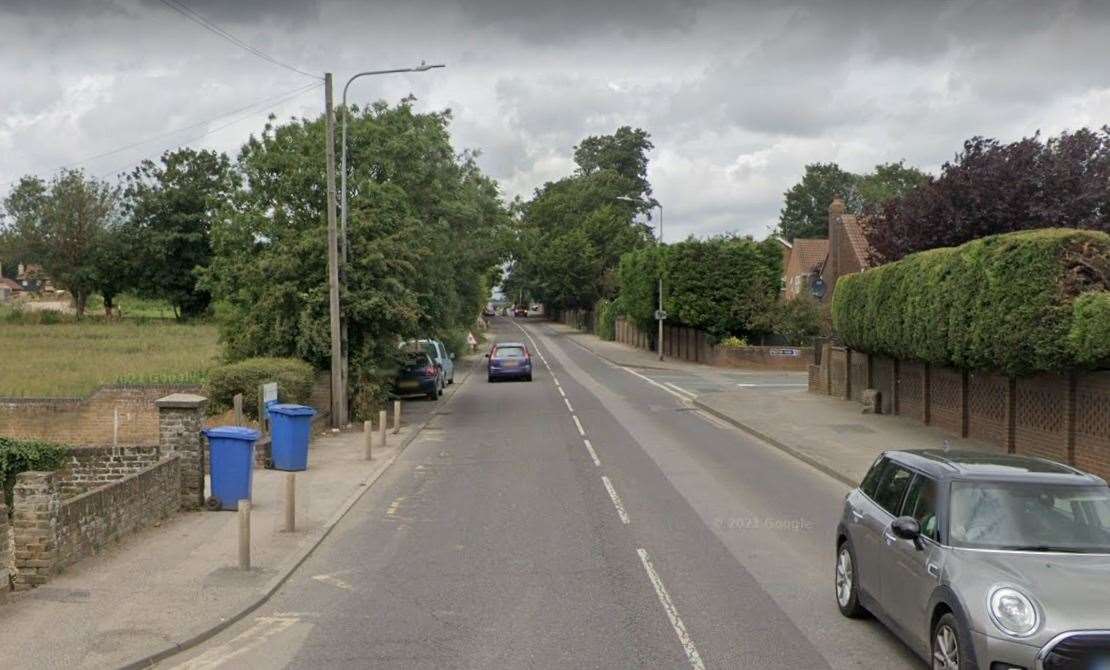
(295, 379)
(1019, 303)
(18, 456)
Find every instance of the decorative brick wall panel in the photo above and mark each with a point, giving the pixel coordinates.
(89, 467)
(817, 380)
(911, 389)
(946, 398)
(838, 375)
(1092, 423)
(986, 404)
(1040, 422)
(883, 381)
(88, 421)
(89, 522)
(861, 373)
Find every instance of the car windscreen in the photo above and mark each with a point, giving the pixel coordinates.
(1026, 516)
(413, 361)
(508, 352)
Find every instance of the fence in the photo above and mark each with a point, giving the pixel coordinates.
(693, 345)
(1064, 417)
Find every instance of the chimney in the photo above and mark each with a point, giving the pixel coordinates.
(836, 209)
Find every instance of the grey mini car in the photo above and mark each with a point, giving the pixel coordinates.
(981, 561)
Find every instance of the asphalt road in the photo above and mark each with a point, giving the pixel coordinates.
(589, 519)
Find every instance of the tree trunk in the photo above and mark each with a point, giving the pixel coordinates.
(109, 303)
(79, 302)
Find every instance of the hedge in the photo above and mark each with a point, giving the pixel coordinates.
(18, 456)
(606, 311)
(1019, 303)
(295, 380)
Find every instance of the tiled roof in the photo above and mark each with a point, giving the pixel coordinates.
(810, 253)
(10, 283)
(856, 238)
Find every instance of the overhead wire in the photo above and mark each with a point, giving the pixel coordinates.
(199, 19)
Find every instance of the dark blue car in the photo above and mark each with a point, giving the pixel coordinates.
(418, 375)
(509, 360)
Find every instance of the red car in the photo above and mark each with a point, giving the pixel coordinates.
(520, 311)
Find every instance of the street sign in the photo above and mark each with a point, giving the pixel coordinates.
(660, 315)
(270, 392)
(785, 352)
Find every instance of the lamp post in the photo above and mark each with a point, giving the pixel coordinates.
(660, 315)
(423, 67)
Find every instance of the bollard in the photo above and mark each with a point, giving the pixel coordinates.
(290, 502)
(237, 403)
(244, 535)
(381, 428)
(396, 416)
(368, 431)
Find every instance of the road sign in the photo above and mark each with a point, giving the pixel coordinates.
(660, 315)
(270, 392)
(785, 352)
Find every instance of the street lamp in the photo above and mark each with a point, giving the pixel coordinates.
(660, 315)
(423, 67)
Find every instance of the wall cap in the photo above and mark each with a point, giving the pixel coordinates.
(181, 401)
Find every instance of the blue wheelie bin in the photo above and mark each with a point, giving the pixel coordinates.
(291, 427)
(232, 460)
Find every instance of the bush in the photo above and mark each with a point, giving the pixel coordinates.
(18, 456)
(1005, 302)
(733, 342)
(797, 320)
(294, 377)
(606, 311)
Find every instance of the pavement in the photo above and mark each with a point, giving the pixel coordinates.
(172, 586)
(593, 518)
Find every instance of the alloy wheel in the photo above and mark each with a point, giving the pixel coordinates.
(844, 576)
(946, 649)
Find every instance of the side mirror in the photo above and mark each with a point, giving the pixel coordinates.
(907, 528)
(452, 356)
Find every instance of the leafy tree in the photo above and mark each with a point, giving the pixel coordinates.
(889, 180)
(60, 224)
(805, 213)
(992, 188)
(624, 152)
(797, 320)
(172, 206)
(113, 264)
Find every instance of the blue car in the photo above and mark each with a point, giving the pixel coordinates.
(509, 360)
(419, 375)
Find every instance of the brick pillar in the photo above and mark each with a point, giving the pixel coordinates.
(34, 516)
(826, 362)
(5, 556)
(180, 420)
(926, 394)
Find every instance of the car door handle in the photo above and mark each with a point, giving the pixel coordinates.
(857, 515)
(890, 539)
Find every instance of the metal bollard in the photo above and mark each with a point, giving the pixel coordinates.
(244, 535)
(396, 416)
(381, 428)
(368, 431)
(290, 502)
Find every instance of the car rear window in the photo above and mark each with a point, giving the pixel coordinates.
(508, 352)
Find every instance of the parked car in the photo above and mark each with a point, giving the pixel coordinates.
(509, 360)
(418, 375)
(439, 355)
(979, 560)
(488, 310)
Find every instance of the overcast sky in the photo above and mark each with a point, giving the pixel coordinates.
(738, 96)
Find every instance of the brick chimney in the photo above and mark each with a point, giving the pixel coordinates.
(836, 210)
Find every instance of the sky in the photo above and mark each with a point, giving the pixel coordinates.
(738, 96)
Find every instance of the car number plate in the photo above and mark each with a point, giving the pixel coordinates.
(510, 364)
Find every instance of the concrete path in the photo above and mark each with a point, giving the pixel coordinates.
(169, 585)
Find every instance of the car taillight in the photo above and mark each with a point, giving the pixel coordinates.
(430, 371)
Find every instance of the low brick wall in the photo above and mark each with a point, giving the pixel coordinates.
(88, 420)
(5, 550)
(89, 467)
(51, 532)
(1065, 418)
(778, 358)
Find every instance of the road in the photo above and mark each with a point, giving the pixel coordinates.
(589, 519)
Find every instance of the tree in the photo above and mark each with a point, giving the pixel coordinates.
(624, 152)
(992, 188)
(172, 206)
(113, 264)
(797, 320)
(889, 180)
(60, 224)
(805, 213)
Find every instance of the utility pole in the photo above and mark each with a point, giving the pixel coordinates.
(662, 314)
(338, 381)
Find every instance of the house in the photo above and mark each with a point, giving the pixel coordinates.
(803, 265)
(848, 251)
(33, 280)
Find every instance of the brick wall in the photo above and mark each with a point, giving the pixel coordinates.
(911, 389)
(884, 380)
(5, 550)
(860, 371)
(1040, 425)
(761, 357)
(1092, 422)
(987, 404)
(838, 379)
(88, 421)
(946, 408)
(89, 467)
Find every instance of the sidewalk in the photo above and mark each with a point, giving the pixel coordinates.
(168, 585)
(828, 433)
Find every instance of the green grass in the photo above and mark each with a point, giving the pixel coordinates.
(70, 358)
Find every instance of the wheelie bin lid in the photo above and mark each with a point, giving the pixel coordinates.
(289, 409)
(233, 432)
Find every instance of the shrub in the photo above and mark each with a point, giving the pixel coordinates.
(294, 377)
(797, 320)
(1005, 302)
(733, 342)
(606, 311)
(18, 456)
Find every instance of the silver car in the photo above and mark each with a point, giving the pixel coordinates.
(978, 560)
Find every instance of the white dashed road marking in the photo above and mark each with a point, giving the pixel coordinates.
(593, 454)
(616, 499)
(656, 384)
(581, 430)
(678, 388)
(568, 404)
(672, 613)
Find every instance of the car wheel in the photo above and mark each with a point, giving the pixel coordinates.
(847, 584)
(951, 646)
(489, 378)
(528, 378)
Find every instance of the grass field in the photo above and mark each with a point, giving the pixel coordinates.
(73, 359)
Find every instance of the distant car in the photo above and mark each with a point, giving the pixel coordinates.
(520, 311)
(509, 360)
(418, 375)
(488, 311)
(980, 560)
(438, 352)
